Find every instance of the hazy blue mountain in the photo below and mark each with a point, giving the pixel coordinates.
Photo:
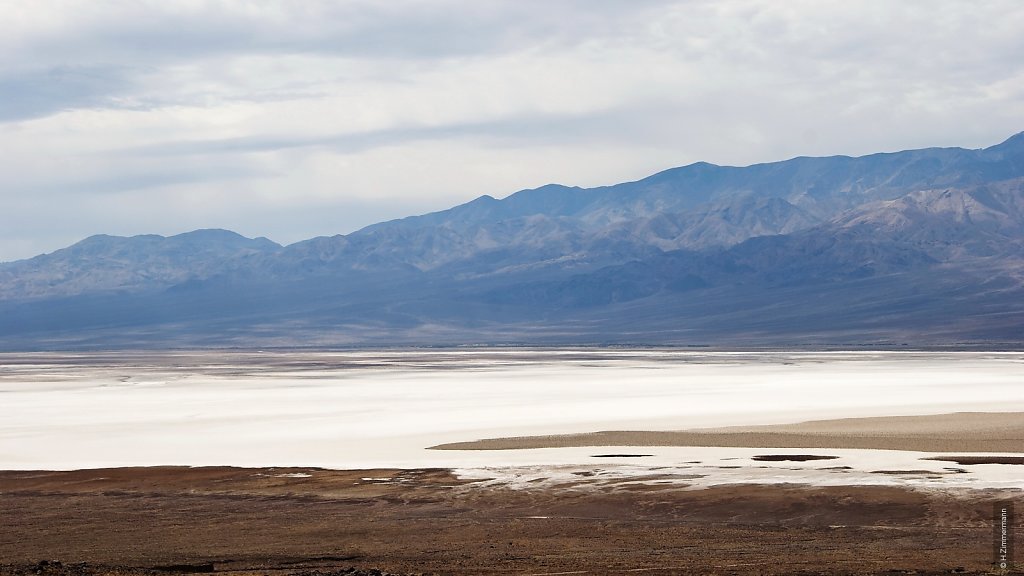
(824, 186)
(932, 266)
(695, 206)
(924, 247)
(104, 263)
(935, 232)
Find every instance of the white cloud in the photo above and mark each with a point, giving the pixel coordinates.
(298, 119)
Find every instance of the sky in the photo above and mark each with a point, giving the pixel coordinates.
(292, 119)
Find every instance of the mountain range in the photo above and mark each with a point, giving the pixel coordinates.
(917, 248)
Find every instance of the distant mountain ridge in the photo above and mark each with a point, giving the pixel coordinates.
(923, 246)
(687, 207)
(101, 263)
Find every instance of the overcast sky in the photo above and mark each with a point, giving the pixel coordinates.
(300, 118)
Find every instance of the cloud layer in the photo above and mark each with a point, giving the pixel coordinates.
(291, 119)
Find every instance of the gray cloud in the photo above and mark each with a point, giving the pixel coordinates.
(613, 124)
(148, 33)
(39, 93)
(107, 49)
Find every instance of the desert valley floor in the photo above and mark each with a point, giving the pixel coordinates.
(508, 461)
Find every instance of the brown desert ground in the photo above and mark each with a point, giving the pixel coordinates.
(313, 521)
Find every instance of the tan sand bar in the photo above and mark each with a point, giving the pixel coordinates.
(956, 432)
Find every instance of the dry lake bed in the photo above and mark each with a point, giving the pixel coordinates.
(508, 461)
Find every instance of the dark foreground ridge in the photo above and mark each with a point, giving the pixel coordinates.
(314, 522)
